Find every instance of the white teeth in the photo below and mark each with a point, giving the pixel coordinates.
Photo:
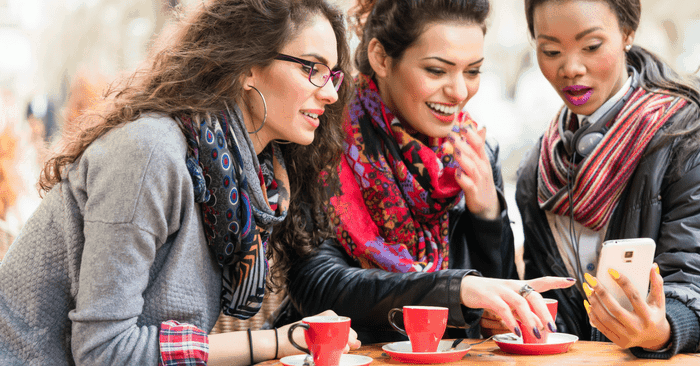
(312, 115)
(443, 108)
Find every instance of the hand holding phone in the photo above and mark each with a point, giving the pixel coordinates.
(632, 258)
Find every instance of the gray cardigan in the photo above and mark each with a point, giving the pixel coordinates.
(114, 250)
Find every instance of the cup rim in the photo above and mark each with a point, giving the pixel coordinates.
(425, 307)
(326, 319)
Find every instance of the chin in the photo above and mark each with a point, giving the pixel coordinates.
(585, 110)
(440, 131)
(304, 140)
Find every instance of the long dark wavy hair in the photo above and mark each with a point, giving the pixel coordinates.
(655, 74)
(196, 70)
(398, 24)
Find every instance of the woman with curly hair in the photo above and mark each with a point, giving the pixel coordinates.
(161, 204)
(421, 217)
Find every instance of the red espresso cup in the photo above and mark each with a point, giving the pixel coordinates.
(326, 337)
(425, 326)
(528, 337)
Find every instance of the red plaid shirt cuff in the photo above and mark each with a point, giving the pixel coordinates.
(183, 344)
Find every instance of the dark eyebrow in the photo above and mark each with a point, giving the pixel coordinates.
(577, 37)
(450, 62)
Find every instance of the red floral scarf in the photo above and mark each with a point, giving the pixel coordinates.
(396, 189)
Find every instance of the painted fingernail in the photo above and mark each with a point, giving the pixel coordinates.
(587, 306)
(517, 332)
(458, 173)
(536, 332)
(552, 327)
(451, 138)
(470, 126)
(571, 279)
(615, 274)
(455, 128)
(587, 289)
(656, 267)
(590, 279)
(457, 152)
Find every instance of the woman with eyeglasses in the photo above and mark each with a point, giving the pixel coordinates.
(421, 215)
(160, 206)
(621, 160)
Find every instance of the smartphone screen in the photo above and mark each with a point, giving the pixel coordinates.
(633, 258)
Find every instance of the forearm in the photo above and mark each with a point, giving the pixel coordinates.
(233, 348)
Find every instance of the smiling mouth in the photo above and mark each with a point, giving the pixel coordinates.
(443, 109)
(312, 115)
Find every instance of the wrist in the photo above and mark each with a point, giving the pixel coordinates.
(285, 346)
(662, 342)
(263, 345)
(490, 213)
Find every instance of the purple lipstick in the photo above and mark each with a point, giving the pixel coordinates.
(577, 95)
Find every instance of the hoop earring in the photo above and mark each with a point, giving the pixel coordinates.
(265, 116)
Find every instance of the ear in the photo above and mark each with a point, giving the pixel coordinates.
(248, 78)
(378, 58)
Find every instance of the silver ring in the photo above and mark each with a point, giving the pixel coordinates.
(525, 290)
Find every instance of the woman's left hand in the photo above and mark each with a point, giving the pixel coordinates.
(474, 174)
(645, 327)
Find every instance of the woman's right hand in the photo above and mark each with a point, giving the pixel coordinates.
(502, 298)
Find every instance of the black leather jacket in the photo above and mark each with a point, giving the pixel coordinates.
(655, 205)
(330, 279)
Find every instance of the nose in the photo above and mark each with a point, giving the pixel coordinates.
(457, 90)
(327, 94)
(572, 67)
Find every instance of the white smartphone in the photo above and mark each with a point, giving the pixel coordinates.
(632, 258)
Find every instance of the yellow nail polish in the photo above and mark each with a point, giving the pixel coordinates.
(587, 289)
(656, 267)
(590, 279)
(615, 274)
(587, 306)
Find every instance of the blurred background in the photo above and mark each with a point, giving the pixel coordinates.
(57, 56)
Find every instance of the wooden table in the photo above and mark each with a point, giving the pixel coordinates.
(581, 353)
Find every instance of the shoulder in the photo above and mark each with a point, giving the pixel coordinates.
(136, 168)
(146, 133)
(138, 143)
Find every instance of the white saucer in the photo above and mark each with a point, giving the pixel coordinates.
(402, 352)
(345, 360)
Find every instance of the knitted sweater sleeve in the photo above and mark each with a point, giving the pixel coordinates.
(133, 189)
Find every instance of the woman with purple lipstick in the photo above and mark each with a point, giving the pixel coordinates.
(620, 160)
(421, 215)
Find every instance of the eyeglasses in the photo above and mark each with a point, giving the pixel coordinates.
(319, 73)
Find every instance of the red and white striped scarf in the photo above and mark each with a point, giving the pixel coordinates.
(599, 179)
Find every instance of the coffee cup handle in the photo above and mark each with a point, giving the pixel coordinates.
(393, 312)
(291, 339)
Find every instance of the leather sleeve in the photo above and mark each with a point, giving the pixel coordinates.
(330, 279)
